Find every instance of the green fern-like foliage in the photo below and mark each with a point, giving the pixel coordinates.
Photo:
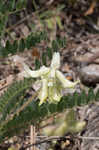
(30, 41)
(12, 99)
(12, 123)
(17, 109)
(21, 45)
(6, 9)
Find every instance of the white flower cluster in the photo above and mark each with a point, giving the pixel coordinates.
(52, 80)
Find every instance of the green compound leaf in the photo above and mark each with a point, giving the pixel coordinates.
(19, 46)
(34, 113)
(11, 96)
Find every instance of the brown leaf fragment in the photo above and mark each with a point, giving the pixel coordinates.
(35, 53)
(91, 8)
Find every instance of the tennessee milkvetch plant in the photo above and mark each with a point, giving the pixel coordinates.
(52, 81)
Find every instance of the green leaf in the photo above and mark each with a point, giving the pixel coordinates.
(82, 98)
(97, 96)
(91, 96)
(49, 52)
(15, 46)
(49, 23)
(58, 20)
(22, 45)
(29, 41)
(62, 42)
(21, 4)
(43, 36)
(55, 46)
(76, 99)
(11, 5)
(3, 21)
(44, 58)
(61, 104)
(3, 7)
(37, 64)
(8, 45)
(52, 108)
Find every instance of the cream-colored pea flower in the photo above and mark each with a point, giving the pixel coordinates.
(52, 80)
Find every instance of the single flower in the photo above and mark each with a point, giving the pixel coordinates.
(52, 80)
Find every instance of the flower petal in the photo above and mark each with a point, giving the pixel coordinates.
(55, 61)
(65, 83)
(52, 73)
(54, 94)
(34, 74)
(44, 91)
